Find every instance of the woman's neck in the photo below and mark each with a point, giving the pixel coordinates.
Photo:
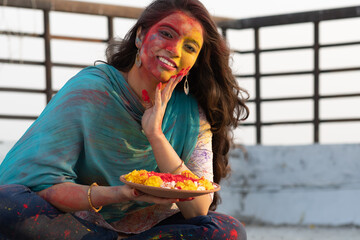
(139, 81)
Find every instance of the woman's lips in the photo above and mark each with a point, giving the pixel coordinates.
(167, 63)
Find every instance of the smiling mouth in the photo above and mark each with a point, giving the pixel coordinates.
(167, 62)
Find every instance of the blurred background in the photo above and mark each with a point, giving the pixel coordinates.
(296, 159)
(18, 44)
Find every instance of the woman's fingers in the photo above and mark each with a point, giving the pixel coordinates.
(159, 200)
(162, 97)
(170, 86)
(131, 193)
(156, 200)
(152, 118)
(178, 79)
(158, 99)
(137, 193)
(140, 196)
(167, 91)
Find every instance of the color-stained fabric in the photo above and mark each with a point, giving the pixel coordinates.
(25, 215)
(44, 221)
(91, 132)
(212, 226)
(200, 164)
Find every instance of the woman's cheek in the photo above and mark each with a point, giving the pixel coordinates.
(147, 58)
(189, 61)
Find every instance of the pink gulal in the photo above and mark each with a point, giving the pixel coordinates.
(145, 96)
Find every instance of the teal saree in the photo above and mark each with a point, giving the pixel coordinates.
(91, 132)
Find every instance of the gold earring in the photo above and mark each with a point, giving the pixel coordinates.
(186, 85)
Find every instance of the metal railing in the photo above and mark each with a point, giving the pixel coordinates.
(61, 6)
(314, 17)
(111, 12)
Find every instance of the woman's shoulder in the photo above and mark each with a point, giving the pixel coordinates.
(95, 77)
(97, 72)
(205, 127)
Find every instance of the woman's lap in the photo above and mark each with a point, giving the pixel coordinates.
(213, 226)
(25, 215)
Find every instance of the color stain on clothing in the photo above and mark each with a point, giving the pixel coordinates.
(233, 234)
(215, 232)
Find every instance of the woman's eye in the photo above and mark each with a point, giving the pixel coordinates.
(166, 34)
(190, 48)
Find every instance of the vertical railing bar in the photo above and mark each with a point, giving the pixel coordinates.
(316, 82)
(48, 64)
(110, 25)
(223, 33)
(257, 86)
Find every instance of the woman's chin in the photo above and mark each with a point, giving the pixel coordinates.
(164, 78)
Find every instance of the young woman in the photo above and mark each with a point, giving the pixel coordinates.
(165, 101)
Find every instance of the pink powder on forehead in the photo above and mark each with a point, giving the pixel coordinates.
(190, 23)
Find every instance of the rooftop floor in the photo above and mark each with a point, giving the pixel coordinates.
(302, 233)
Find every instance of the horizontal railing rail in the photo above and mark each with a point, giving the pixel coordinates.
(225, 24)
(314, 17)
(291, 18)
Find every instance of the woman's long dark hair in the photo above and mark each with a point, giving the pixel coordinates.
(211, 80)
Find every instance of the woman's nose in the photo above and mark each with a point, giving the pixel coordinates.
(174, 49)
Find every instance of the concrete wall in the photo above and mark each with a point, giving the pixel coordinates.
(296, 185)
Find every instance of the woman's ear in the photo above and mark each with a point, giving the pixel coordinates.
(138, 39)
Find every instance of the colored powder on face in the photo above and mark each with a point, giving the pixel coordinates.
(183, 29)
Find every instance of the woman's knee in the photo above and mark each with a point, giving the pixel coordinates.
(11, 194)
(227, 226)
(18, 201)
(12, 200)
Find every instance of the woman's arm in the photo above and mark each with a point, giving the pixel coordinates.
(166, 157)
(71, 197)
(168, 160)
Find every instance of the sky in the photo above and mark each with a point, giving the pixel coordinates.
(253, 8)
(300, 34)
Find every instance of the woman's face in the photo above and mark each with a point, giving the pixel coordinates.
(171, 45)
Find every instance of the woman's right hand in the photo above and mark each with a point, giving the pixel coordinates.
(151, 121)
(127, 193)
(72, 197)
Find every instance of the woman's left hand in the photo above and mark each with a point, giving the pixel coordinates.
(152, 119)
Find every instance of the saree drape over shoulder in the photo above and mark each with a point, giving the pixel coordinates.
(91, 132)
